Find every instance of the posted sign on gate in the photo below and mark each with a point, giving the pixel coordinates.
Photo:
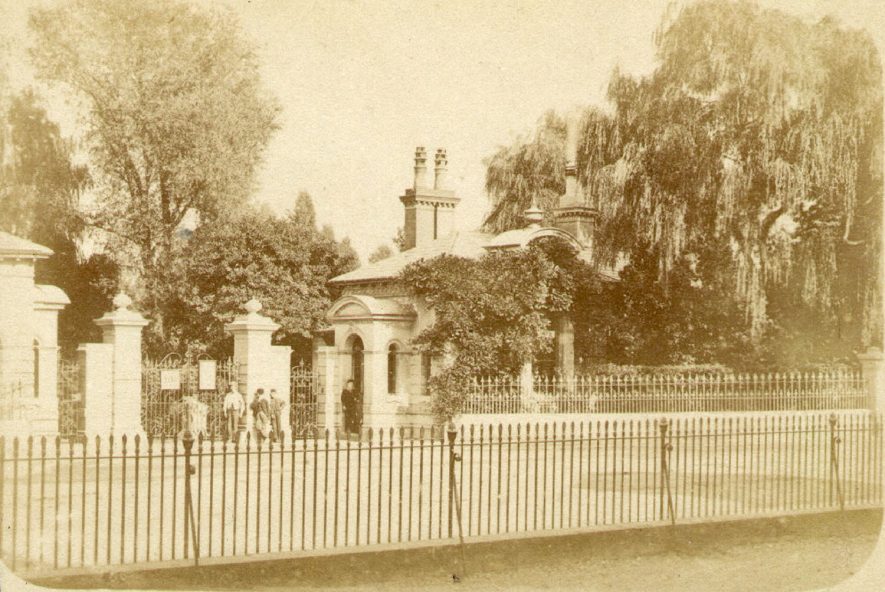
(170, 380)
(207, 375)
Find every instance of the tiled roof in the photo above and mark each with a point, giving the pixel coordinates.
(17, 246)
(462, 244)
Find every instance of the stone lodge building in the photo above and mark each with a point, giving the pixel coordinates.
(376, 318)
(28, 340)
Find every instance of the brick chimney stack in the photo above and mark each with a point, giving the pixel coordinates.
(574, 215)
(429, 212)
(571, 197)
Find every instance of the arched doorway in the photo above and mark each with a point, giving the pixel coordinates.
(356, 363)
(356, 350)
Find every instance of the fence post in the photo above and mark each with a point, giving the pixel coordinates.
(452, 435)
(190, 531)
(834, 461)
(454, 457)
(665, 472)
(872, 375)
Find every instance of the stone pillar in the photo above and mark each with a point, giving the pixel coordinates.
(871, 366)
(17, 323)
(96, 362)
(121, 329)
(565, 346)
(253, 352)
(527, 386)
(46, 390)
(325, 364)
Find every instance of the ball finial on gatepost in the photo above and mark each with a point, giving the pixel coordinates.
(122, 301)
(252, 306)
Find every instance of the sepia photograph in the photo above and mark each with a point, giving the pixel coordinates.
(403, 295)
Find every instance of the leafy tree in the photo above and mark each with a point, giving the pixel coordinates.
(304, 211)
(280, 261)
(758, 136)
(176, 119)
(382, 252)
(40, 191)
(40, 185)
(483, 326)
(400, 239)
(529, 172)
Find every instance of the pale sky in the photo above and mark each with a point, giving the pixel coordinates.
(361, 83)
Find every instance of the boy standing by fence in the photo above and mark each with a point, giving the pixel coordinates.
(261, 411)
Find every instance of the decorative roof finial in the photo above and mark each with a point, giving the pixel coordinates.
(534, 216)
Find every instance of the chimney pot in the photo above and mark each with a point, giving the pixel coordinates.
(440, 171)
(420, 168)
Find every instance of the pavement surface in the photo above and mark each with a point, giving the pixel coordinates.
(807, 552)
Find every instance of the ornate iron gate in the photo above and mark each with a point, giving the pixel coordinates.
(161, 410)
(71, 407)
(305, 385)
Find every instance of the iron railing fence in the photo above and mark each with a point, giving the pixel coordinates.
(671, 393)
(111, 501)
(161, 411)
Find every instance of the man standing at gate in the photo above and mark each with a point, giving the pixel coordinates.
(278, 406)
(234, 409)
(350, 405)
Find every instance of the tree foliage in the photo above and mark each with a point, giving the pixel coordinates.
(176, 118)
(40, 191)
(758, 136)
(483, 326)
(529, 172)
(382, 252)
(282, 261)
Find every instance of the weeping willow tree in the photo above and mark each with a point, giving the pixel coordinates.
(529, 172)
(758, 134)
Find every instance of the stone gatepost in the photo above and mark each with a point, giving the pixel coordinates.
(871, 366)
(565, 346)
(527, 387)
(253, 353)
(325, 360)
(115, 406)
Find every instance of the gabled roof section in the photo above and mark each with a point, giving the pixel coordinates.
(357, 307)
(15, 246)
(460, 244)
(521, 237)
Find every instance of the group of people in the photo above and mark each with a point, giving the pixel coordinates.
(267, 413)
